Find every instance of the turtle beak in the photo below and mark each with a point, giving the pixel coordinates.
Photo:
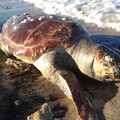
(106, 65)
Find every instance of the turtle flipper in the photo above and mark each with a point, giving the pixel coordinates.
(106, 65)
(20, 65)
(85, 110)
(53, 65)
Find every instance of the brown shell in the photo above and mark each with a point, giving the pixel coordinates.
(28, 36)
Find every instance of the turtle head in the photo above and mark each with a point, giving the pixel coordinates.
(106, 64)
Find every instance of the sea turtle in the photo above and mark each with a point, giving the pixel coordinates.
(59, 46)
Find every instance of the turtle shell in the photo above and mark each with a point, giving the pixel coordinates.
(28, 36)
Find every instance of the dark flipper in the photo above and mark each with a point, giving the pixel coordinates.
(85, 109)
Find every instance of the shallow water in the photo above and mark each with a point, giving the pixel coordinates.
(9, 8)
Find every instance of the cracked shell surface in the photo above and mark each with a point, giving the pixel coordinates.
(28, 36)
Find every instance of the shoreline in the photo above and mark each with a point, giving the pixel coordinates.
(95, 30)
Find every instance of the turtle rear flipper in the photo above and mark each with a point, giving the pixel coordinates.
(85, 110)
(20, 65)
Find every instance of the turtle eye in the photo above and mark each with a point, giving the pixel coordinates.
(108, 58)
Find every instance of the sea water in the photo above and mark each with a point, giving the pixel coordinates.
(103, 13)
(9, 8)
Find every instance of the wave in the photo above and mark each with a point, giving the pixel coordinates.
(103, 13)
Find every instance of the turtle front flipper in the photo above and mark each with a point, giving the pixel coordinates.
(106, 64)
(54, 65)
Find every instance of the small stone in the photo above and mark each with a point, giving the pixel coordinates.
(29, 118)
(17, 102)
(7, 7)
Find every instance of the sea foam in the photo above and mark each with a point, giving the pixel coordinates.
(104, 13)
